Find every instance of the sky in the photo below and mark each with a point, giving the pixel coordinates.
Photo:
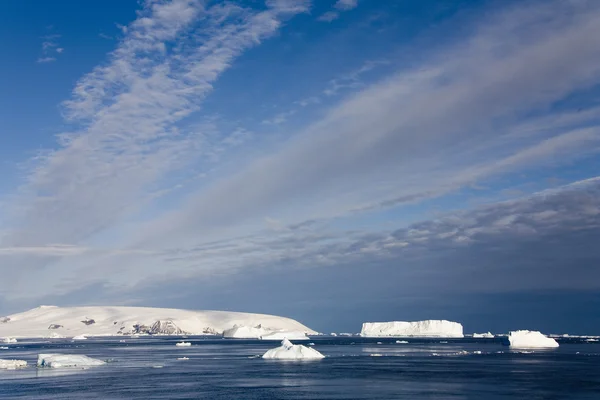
(334, 161)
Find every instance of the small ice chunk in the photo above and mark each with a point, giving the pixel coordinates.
(284, 335)
(401, 341)
(487, 335)
(12, 364)
(290, 351)
(9, 340)
(67, 361)
(183, 344)
(530, 339)
(183, 358)
(80, 337)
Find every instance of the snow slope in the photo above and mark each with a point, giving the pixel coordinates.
(530, 340)
(290, 335)
(429, 328)
(290, 351)
(52, 321)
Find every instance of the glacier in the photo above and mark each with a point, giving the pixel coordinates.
(530, 340)
(67, 361)
(428, 328)
(12, 364)
(61, 322)
(290, 351)
(290, 335)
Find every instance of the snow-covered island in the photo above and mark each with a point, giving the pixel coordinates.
(79, 322)
(530, 340)
(290, 351)
(428, 328)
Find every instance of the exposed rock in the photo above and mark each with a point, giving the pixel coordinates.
(4, 320)
(88, 321)
(210, 331)
(167, 327)
(54, 326)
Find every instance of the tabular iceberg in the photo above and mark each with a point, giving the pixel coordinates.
(487, 335)
(67, 361)
(530, 340)
(290, 351)
(429, 328)
(12, 364)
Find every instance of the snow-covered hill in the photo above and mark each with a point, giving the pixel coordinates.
(48, 321)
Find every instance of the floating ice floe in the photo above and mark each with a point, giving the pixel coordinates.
(67, 361)
(530, 340)
(183, 344)
(80, 337)
(290, 351)
(487, 335)
(183, 358)
(9, 340)
(12, 364)
(284, 335)
(401, 341)
(429, 328)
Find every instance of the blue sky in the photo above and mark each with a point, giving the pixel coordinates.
(333, 161)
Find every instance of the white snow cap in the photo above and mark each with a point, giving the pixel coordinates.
(428, 328)
(12, 364)
(290, 351)
(67, 361)
(530, 340)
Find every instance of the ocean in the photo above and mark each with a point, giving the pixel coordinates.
(354, 368)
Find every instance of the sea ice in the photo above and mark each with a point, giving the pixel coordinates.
(530, 339)
(285, 335)
(12, 364)
(290, 351)
(67, 361)
(429, 328)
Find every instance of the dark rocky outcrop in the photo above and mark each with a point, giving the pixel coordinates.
(54, 326)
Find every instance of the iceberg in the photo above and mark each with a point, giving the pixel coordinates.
(80, 337)
(285, 335)
(487, 335)
(290, 351)
(429, 328)
(67, 361)
(530, 340)
(12, 364)
(9, 340)
(245, 332)
(183, 344)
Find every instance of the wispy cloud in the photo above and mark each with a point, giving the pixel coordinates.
(50, 48)
(339, 6)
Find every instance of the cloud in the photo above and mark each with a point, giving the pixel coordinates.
(50, 48)
(486, 104)
(446, 124)
(339, 6)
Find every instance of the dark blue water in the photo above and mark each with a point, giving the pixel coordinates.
(147, 368)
